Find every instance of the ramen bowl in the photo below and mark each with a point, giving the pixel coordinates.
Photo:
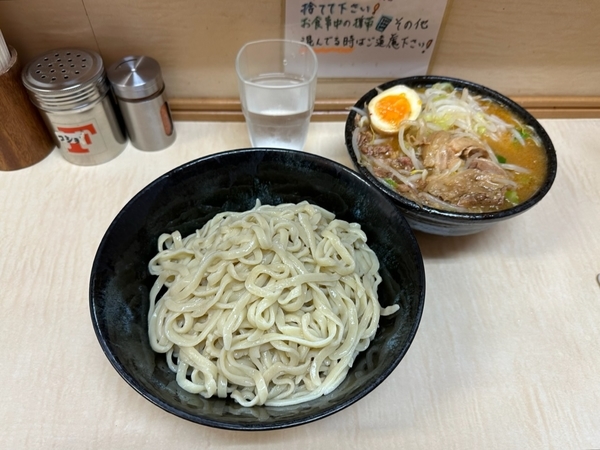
(432, 220)
(186, 198)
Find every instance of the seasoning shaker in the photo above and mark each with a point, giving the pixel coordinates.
(140, 91)
(70, 88)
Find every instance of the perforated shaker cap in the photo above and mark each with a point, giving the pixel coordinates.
(65, 79)
(135, 77)
(63, 70)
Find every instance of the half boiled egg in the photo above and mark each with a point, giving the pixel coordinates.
(393, 106)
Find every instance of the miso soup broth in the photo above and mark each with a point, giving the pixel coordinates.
(530, 155)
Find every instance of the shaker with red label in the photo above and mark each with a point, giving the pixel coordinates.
(70, 88)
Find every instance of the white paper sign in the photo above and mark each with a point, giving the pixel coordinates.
(367, 39)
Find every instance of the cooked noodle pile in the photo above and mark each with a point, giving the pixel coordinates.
(268, 306)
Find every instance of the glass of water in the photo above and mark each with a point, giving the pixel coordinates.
(277, 82)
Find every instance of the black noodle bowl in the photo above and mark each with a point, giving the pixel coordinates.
(436, 221)
(186, 198)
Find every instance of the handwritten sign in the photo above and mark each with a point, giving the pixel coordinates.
(367, 39)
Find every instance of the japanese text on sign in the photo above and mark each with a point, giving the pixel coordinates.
(367, 39)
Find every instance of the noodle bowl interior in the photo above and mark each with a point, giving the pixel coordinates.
(269, 306)
(462, 152)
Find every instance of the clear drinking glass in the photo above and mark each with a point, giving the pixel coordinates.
(277, 83)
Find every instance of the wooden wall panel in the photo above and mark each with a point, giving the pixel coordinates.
(35, 26)
(523, 47)
(518, 47)
(195, 41)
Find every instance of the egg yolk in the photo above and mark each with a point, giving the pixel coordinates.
(393, 108)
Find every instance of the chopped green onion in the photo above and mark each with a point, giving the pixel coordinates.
(524, 133)
(512, 197)
(446, 86)
(391, 182)
(501, 159)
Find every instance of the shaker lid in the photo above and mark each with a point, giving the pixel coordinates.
(135, 77)
(64, 70)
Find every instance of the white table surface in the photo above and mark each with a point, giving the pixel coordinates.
(507, 355)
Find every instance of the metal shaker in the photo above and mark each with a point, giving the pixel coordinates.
(140, 90)
(71, 91)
